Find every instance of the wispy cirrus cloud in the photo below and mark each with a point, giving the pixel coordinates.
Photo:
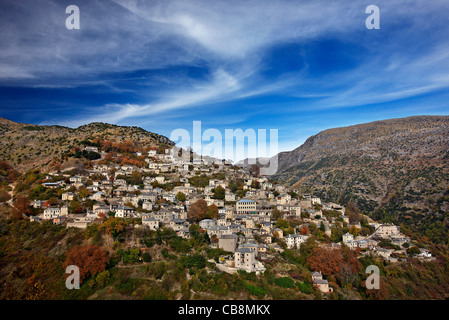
(137, 61)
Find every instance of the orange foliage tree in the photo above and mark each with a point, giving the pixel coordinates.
(305, 231)
(378, 294)
(327, 261)
(199, 210)
(90, 259)
(113, 226)
(21, 206)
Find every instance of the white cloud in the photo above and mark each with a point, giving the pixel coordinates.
(228, 38)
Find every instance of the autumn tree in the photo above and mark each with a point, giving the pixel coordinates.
(199, 210)
(7, 173)
(21, 207)
(304, 231)
(4, 196)
(113, 226)
(327, 261)
(212, 212)
(354, 231)
(90, 259)
(377, 294)
(276, 214)
(350, 265)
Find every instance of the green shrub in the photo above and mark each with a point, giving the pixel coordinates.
(131, 255)
(146, 257)
(284, 282)
(256, 291)
(304, 287)
(192, 261)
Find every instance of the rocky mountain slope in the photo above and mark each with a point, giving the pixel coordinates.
(398, 165)
(28, 146)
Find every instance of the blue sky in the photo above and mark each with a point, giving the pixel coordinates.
(297, 66)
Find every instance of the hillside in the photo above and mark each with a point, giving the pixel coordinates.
(134, 223)
(394, 169)
(31, 146)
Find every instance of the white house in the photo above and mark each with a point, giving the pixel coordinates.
(283, 198)
(245, 259)
(68, 196)
(97, 196)
(55, 212)
(245, 206)
(75, 179)
(293, 240)
(124, 212)
(320, 283)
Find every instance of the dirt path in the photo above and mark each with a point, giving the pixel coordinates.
(11, 193)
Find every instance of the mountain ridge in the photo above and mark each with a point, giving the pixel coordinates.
(395, 170)
(28, 146)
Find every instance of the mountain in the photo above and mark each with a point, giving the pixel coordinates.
(392, 167)
(27, 146)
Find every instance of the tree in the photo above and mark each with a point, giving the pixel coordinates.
(354, 231)
(131, 255)
(219, 193)
(276, 214)
(113, 226)
(4, 196)
(283, 224)
(197, 210)
(413, 251)
(378, 294)
(322, 227)
(350, 265)
(212, 212)
(83, 192)
(146, 257)
(304, 231)
(136, 178)
(192, 261)
(102, 279)
(90, 259)
(327, 261)
(181, 197)
(306, 249)
(255, 184)
(21, 207)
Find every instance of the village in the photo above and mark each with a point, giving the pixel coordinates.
(247, 226)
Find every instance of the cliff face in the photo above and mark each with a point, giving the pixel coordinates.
(399, 162)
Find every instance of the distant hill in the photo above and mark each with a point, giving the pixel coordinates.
(28, 146)
(396, 167)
